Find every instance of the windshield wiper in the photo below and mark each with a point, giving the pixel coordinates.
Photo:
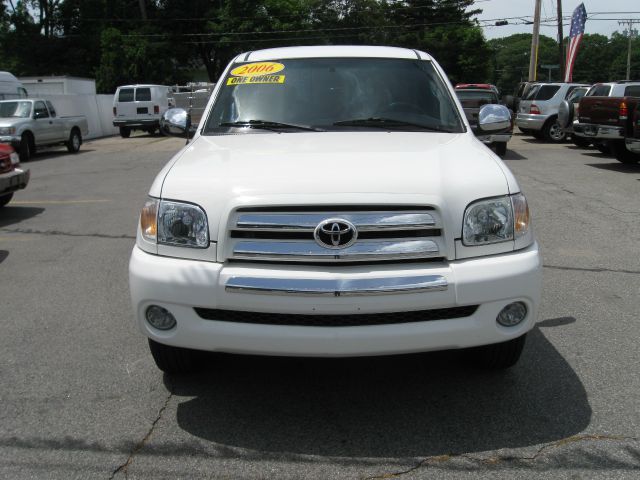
(381, 122)
(268, 125)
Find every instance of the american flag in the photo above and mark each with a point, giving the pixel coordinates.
(578, 20)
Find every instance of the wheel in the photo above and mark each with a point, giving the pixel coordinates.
(125, 132)
(580, 141)
(74, 142)
(5, 199)
(501, 148)
(552, 131)
(565, 114)
(623, 155)
(174, 359)
(26, 148)
(498, 356)
(603, 147)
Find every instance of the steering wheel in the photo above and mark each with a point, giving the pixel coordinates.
(404, 107)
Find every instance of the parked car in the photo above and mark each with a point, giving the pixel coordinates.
(606, 113)
(567, 115)
(13, 176)
(521, 91)
(538, 114)
(472, 100)
(29, 124)
(140, 107)
(335, 202)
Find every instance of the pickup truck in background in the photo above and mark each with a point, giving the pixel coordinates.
(473, 97)
(632, 139)
(28, 124)
(606, 113)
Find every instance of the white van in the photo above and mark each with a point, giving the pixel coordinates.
(140, 107)
(11, 87)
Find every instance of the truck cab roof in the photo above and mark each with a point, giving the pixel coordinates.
(332, 51)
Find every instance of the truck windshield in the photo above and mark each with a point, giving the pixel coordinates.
(15, 109)
(338, 94)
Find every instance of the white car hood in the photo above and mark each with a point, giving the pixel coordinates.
(224, 172)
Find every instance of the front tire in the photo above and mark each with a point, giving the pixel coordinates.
(580, 141)
(26, 148)
(74, 142)
(623, 155)
(498, 356)
(501, 148)
(5, 199)
(553, 132)
(125, 132)
(174, 360)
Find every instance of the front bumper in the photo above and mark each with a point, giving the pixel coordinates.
(495, 138)
(133, 123)
(633, 145)
(180, 285)
(599, 132)
(12, 140)
(17, 179)
(531, 121)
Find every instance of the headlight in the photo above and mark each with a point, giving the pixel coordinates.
(7, 130)
(174, 223)
(495, 220)
(15, 158)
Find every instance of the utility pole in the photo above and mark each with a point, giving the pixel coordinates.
(533, 60)
(560, 41)
(630, 34)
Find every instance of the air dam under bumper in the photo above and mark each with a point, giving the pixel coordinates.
(180, 285)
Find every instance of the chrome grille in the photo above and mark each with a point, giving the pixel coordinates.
(402, 233)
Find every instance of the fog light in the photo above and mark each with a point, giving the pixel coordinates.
(512, 314)
(160, 318)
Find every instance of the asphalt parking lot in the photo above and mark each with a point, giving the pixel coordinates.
(82, 398)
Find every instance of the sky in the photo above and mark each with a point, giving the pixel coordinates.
(597, 12)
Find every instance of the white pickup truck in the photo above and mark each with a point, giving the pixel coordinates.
(28, 124)
(334, 201)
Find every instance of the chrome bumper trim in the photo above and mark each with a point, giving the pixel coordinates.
(364, 221)
(633, 145)
(336, 287)
(605, 132)
(311, 251)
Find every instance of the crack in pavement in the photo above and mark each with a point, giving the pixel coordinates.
(592, 269)
(65, 234)
(494, 460)
(124, 467)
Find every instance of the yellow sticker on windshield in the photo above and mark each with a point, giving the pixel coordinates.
(255, 80)
(257, 69)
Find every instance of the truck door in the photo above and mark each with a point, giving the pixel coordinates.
(42, 124)
(58, 132)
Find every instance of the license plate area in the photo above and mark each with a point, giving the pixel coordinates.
(142, 110)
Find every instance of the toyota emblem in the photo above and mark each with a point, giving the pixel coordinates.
(335, 233)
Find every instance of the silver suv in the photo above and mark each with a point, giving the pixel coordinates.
(538, 110)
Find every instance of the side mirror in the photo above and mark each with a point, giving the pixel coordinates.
(38, 115)
(176, 122)
(493, 118)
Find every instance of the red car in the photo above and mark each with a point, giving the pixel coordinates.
(12, 176)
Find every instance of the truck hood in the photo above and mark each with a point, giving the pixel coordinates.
(224, 172)
(13, 122)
